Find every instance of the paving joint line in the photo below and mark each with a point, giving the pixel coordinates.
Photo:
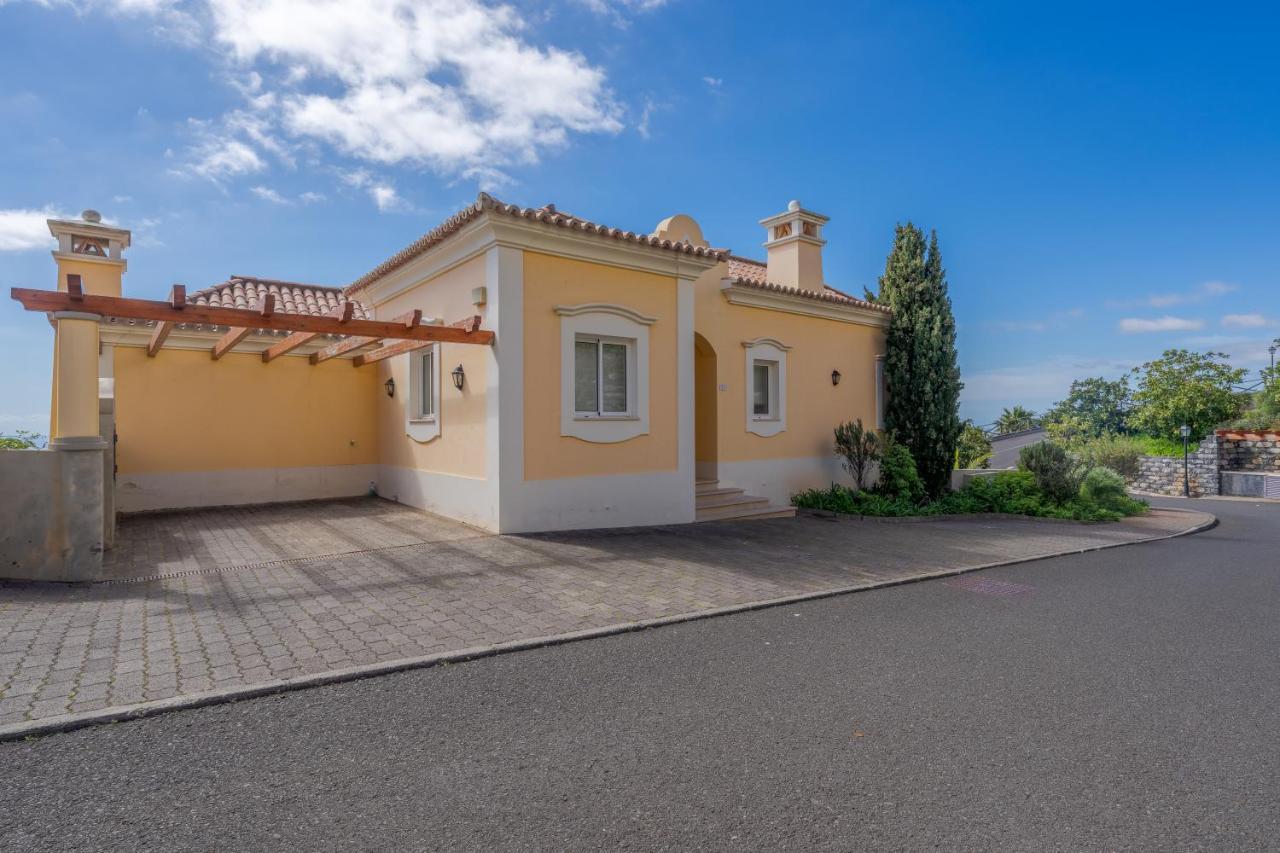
(282, 561)
(127, 713)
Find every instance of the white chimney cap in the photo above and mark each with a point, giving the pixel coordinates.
(91, 215)
(793, 205)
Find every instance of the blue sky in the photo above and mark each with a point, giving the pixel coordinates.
(1103, 177)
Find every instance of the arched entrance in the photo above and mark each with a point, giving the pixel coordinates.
(705, 385)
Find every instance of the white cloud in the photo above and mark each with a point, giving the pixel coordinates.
(713, 82)
(455, 86)
(617, 11)
(1136, 325)
(382, 192)
(385, 197)
(1204, 291)
(311, 197)
(650, 107)
(450, 86)
(1244, 321)
(25, 229)
(268, 194)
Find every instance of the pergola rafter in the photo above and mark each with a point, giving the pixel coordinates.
(241, 321)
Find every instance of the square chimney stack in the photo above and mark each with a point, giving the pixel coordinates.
(794, 241)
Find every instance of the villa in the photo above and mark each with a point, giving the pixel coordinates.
(519, 369)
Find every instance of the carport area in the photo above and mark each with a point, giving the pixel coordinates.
(210, 603)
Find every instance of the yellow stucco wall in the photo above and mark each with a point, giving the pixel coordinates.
(814, 406)
(460, 448)
(551, 281)
(100, 279)
(182, 411)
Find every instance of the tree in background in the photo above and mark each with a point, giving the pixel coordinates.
(1093, 407)
(1016, 420)
(973, 449)
(1183, 387)
(923, 379)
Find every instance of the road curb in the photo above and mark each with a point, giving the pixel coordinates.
(124, 713)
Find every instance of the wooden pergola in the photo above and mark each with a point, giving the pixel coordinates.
(402, 334)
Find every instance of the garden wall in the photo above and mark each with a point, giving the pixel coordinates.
(1249, 451)
(1162, 475)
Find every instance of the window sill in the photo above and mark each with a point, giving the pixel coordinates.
(590, 418)
(430, 420)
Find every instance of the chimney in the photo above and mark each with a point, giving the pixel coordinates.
(794, 241)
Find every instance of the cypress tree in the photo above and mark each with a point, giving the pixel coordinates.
(923, 379)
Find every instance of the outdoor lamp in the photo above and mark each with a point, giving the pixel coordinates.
(390, 385)
(1186, 475)
(458, 377)
(835, 377)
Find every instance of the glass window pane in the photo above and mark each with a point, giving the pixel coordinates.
(584, 376)
(427, 397)
(615, 377)
(760, 390)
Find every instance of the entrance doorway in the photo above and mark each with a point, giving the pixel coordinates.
(705, 387)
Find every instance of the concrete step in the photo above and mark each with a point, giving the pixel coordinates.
(701, 486)
(717, 493)
(726, 497)
(750, 514)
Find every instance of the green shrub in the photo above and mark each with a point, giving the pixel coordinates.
(1152, 445)
(1120, 453)
(859, 448)
(899, 479)
(1104, 487)
(843, 499)
(22, 440)
(1010, 492)
(1056, 472)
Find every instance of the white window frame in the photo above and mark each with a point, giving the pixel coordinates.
(423, 425)
(611, 324)
(598, 412)
(772, 369)
(774, 353)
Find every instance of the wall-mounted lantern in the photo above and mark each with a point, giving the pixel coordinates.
(458, 377)
(835, 377)
(390, 385)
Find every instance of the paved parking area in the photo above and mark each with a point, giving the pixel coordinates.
(215, 600)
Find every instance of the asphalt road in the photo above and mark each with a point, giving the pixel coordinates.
(1128, 699)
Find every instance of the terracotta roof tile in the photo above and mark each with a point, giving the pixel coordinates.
(547, 214)
(241, 291)
(751, 273)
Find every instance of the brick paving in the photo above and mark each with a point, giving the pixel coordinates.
(222, 599)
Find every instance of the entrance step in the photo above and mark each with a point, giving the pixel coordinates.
(738, 514)
(726, 503)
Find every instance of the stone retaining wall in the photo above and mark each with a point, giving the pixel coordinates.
(1249, 451)
(1162, 475)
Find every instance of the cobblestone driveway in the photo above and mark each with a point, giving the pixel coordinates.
(220, 599)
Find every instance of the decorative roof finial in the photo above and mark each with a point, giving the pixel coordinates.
(793, 205)
(91, 215)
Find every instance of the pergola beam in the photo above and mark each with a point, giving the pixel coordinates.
(144, 309)
(343, 313)
(178, 300)
(236, 334)
(410, 319)
(468, 324)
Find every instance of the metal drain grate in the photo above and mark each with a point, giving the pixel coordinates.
(989, 586)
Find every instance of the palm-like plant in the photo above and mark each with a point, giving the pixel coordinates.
(1016, 419)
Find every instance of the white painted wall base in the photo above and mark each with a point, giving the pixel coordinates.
(779, 479)
(582, 503)
(466, 499)
(176, 490)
